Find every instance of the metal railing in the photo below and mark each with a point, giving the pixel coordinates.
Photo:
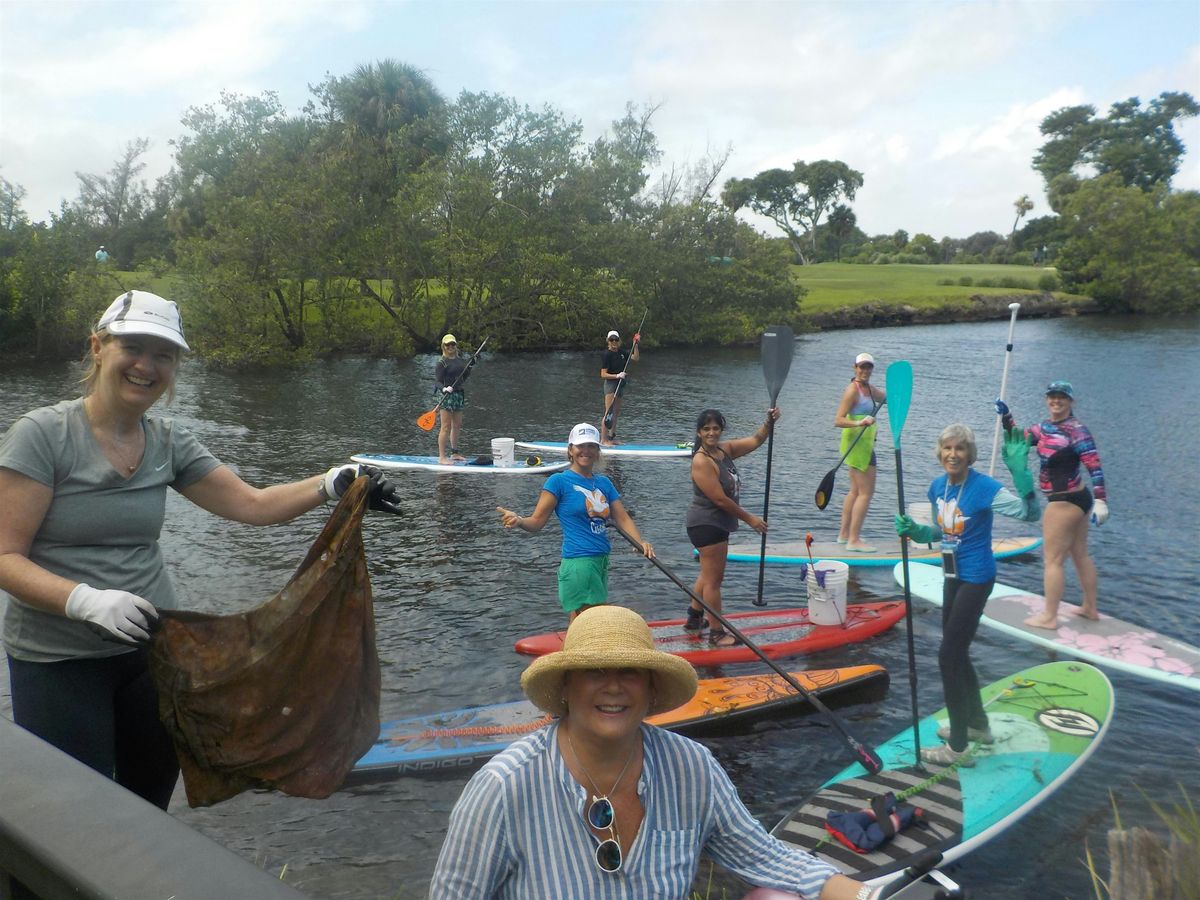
(67, 831)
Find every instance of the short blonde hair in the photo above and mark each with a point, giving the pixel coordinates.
(91, 366)
(958, 432)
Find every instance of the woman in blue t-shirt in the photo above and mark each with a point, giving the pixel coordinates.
(963, 502)
(584, 502)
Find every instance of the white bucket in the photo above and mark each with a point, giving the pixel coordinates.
(503, 450)
(827, 605)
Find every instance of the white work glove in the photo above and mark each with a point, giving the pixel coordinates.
(337, 480)
(448, 389)
(1099, 513)
(119, 615)
(866, 421)
(620, 376)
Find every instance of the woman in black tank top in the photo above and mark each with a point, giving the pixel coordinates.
(715, 511)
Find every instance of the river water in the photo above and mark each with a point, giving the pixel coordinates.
(453, 590)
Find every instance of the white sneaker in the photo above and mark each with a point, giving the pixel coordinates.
(974, 735)
(945, 755)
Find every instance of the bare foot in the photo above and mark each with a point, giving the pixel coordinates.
(859, 547)
(1084, 613)
(1042, 622)
(443, 461)
(458, 457)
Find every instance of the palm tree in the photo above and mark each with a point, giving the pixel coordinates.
(1023, 205)
(385, 96)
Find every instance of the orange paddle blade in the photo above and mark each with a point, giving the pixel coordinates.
(427, 420)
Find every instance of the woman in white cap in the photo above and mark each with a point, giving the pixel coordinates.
(449, 375)
(598, 804)
(1064, 445)
(583, 502)
(614, 372)
(83, 488)
(856, 416)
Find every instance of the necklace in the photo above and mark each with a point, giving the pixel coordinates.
(600, 795)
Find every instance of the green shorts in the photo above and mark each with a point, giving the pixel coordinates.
(583, 581)
(454, 401)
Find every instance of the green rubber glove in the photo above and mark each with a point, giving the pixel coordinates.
(1016, 451)
(906, 526)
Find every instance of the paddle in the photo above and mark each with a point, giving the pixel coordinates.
(778, 347)
(825, 488)
(1012, 324)
(426, 420)
(637, 339)
(899, 393)
(866, 755)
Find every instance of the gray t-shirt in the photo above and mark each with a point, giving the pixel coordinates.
(101, 528)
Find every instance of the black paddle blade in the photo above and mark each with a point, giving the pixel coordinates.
(825, 490)
(869, 758)
(778, 347)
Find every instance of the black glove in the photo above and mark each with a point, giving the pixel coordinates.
(382, 495)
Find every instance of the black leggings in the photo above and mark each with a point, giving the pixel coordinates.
(102, 711)
(962, 607)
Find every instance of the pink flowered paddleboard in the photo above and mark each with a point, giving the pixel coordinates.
(1108, 642)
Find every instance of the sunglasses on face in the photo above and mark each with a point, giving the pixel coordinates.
(450, 344)
(865, 366)
(600, 816)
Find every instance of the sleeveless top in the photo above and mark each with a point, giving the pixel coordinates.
(703, 511)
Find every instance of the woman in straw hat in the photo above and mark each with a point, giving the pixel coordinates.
(83, 486)
(600, 805)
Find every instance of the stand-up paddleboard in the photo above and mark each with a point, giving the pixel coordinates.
(886, 553)
(684, 448)
(781, 632)
(1108, 642)
(467, 737)
(1046, 721)
(392, 462)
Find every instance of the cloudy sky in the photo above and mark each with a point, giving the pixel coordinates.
(937, 103)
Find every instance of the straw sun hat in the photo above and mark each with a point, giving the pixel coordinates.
(609, 637)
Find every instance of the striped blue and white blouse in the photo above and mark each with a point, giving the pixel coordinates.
(518, 830)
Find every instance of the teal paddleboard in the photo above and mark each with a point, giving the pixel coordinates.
(886, 553)
(1109, 641)
(1046, 721)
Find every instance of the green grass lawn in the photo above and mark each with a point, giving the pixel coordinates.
(834, 285)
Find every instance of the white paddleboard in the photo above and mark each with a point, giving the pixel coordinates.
(886, 553)
(684, 448)
(394, 462)
(1108, 642)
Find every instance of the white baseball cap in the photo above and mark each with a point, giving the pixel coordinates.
(583, 433)
(613, 334)
(864, 358)
(140, 312)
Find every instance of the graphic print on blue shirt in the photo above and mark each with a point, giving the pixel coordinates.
(583, 507)
(964, 514)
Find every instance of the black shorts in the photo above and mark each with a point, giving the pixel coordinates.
(1082, 499)
(707, 535)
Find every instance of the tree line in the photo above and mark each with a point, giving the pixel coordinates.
(382, 215)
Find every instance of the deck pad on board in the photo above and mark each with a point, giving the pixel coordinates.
(466, 737)
(1046, 721)
(886, 553)
(779, 632)
(1108, 642)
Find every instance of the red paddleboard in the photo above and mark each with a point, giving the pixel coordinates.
(777, 632)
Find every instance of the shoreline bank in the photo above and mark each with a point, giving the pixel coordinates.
(977, 308)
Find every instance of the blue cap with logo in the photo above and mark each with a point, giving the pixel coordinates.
(1060, 387)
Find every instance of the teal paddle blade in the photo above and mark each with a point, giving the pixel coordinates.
(899, 396)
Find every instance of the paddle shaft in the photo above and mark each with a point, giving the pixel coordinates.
(1008, 348)
(865, 754)
(908, 619)
(775, 369)
(762, 550)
